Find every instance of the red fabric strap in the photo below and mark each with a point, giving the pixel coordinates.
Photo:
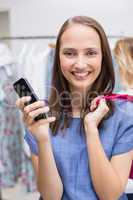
(116, 96)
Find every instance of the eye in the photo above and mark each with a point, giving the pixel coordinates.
(69, 53)
(91, 53)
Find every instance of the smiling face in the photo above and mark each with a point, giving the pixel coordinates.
(80, 56)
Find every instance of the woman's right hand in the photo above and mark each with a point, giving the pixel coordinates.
(40, 128)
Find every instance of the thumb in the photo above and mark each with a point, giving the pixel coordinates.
(103, 106)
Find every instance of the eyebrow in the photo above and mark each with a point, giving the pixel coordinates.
(86, 49)
(92, 48)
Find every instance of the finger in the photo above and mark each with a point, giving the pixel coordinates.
(98, 99)
(31, 115)
(102, 102)
(34, 106)
(94, 103)
(24, 118)
(51, 119)
(43, 121)
(103, 106)
(38, 111)
(20, 102)
(93, 106)
(48, 120)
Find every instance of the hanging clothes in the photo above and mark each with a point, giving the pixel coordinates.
(14, 163)
(49, 64)
(37, 68)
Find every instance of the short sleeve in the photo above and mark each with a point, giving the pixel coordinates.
(124, 138)
(31, 140)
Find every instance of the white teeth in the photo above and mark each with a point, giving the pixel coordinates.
(81, 74)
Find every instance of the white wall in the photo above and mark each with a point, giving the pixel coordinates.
(41, 17)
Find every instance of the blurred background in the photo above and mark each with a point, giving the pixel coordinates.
(28, 30)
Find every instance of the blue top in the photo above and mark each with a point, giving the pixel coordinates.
(70, 151)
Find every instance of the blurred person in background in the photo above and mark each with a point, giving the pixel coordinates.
(123, 53)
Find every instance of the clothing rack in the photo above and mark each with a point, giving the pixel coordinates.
(48, 37)
(29, 37)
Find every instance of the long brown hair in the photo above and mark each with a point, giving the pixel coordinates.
(104, 84)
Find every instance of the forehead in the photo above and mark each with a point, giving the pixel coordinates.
(78, 35)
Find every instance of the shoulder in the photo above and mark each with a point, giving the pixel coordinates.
(122, 116)
(123, 109)
(117, 130)
(120, 123)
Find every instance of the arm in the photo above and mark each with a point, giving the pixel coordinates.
(48, 180)
(109, 177)
(34, 160)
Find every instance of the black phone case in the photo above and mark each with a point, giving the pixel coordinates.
(23, 88)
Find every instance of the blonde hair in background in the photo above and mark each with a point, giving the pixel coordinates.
(123, 52)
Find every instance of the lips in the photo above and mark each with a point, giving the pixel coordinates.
(81, 75)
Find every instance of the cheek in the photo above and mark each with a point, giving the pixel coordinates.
(66, 64)
(97, 64)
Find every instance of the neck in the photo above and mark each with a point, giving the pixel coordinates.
(78, 100)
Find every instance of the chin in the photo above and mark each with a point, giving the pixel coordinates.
(81, 87)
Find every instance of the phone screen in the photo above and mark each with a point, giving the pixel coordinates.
(23, 88)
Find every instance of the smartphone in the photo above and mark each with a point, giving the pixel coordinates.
(23, 88)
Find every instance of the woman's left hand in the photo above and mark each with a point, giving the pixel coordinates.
(93, 118)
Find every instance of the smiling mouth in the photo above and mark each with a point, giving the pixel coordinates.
(81, 75)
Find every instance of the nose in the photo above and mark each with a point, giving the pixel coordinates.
(80, 62)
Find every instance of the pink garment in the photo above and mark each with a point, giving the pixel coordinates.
(131, 172)
(116, 96)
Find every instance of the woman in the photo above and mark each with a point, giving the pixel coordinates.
(123, 52)
(80, 155)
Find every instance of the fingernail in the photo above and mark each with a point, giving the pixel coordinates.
(28, 98)
(52, 118)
